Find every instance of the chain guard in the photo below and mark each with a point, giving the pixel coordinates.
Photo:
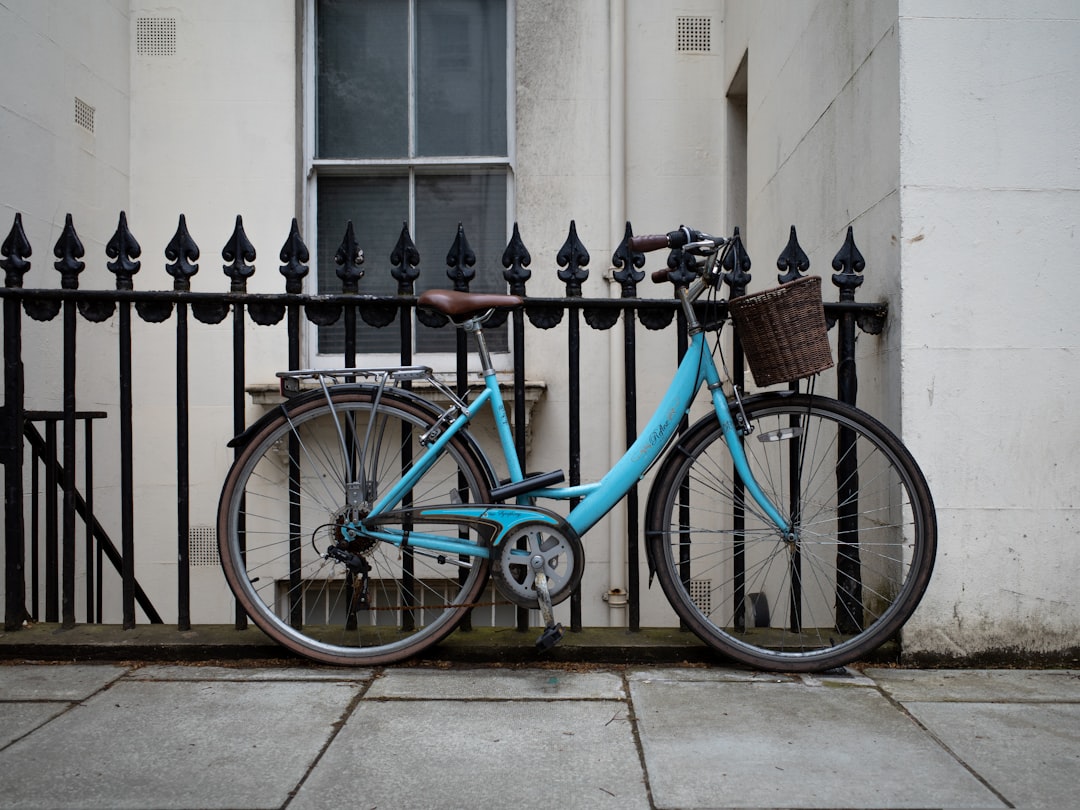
(557, 546)
(515, 534)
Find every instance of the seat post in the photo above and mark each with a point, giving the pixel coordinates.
(474, 325)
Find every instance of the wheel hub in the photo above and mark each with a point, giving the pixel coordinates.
(347, 533)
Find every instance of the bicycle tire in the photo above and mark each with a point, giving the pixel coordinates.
(281, 507)
(863, 552)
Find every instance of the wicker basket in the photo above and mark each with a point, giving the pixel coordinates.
(783, 331)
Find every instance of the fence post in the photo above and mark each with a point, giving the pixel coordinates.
(792, 263)
(238, 251)
(574, 259)
(460, 260)
(124, 248)
(737, 276)
(69, 251)
(628, 274)
(349, 258)
(182, 253)
(15, 251)
(516, 260)
(294, 253)
(847, 262)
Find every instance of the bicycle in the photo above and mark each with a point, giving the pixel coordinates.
(360, 521)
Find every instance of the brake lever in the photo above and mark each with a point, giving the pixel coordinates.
(704, 247)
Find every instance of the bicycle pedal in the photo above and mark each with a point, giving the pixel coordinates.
(551, 636)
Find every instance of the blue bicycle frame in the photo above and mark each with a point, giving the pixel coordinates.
(596, 499)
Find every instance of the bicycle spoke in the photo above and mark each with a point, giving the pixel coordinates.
(848, 577)
(385, 603)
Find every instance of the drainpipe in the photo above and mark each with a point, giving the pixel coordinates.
(616, 597)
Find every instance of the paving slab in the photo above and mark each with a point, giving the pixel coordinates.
(1029, 753)
(559, 735)
(147, 744)
(707, 675)
(787, 744)
(495, 684)
(17, 719)
(69, 682)
(983, 685)
(181, 672)
(480, 754)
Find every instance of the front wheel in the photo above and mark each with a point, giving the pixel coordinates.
(846, 579)
(304, 576)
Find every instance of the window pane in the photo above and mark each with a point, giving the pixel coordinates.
(377, 207)
(478, 202)
(461, 77)
(363, 78)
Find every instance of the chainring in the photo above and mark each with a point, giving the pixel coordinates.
(558, 548)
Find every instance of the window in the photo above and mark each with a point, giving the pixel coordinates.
(411, 124)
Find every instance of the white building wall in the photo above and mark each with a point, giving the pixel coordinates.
(50, 165)
(213, 135)
(940, 130)
(990, 172)
(53, 54)
(823, 152)
(612, 124)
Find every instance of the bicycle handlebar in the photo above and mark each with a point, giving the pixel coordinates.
(651, 241)
(675, 240)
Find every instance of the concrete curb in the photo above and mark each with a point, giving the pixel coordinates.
(165, 643)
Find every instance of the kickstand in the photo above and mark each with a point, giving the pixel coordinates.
(553, 632)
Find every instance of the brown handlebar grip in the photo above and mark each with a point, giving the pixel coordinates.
(660, 276)
(649, 241)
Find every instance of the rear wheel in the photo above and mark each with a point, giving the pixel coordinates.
(843, 584)
(287, 503)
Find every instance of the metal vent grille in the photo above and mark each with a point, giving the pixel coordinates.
(202, 546)
(155, 36)
(701, 594)
(693, 34)
(84, 115)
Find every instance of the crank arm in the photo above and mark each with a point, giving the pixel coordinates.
(553, 632)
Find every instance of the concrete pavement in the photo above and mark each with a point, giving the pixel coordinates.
(564, 735)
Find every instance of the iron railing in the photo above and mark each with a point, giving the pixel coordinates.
(40, 566)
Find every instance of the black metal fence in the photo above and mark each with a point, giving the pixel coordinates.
(40, 553)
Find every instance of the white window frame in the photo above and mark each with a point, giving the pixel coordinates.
(314, 167)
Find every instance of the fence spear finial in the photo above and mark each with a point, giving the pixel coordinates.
(348, 258)
(294, 253)
(238, 251)
(737, 264)
(460, 261)
(793, 261)
(15, 250)
(629, 264)
(847, 262)
(68, 251)
(405, 259)
(574, 259)
(516, 259)
(124, 249)
(182, 252)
